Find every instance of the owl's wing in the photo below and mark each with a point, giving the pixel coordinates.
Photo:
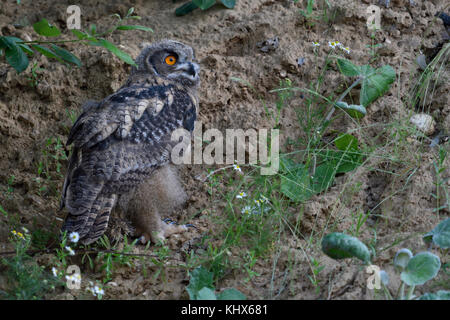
(117, 144)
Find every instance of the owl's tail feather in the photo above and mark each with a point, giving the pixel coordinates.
(89, 206)
(92, 224)
(101, 221)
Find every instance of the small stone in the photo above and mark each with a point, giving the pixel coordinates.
(283, 74)
(424, 123)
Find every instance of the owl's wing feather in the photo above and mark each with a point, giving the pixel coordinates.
(119, 143)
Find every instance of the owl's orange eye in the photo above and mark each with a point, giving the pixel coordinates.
(170, 60)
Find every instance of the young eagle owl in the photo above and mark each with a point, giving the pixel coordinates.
(122, 145)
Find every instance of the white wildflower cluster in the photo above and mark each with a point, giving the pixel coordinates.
(74, 278)
(334, 44)
(95, 290)
(237, 168)
(256, 209)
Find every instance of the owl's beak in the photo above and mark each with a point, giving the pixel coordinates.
(191, 69)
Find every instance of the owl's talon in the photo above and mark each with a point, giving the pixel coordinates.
(169, 221)
(190, 225)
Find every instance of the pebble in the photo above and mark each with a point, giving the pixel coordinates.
(424, 123)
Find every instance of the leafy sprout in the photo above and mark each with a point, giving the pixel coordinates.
(16, 50)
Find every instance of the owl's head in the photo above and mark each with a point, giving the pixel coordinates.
(170, 60)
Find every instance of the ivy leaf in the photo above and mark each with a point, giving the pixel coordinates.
(65, 55)
(346, 142)
(340, 246)
(422, 267)
(440, 235)
(323, 177)
(206, 294)
(231, 294)
(440, 295)
(44, 28)
(229, 3)
(204, 4)
(185, 9)
(375, 83)
(354, 110)
(347, 68)
(199, 279)
(295, 182)
(124, 27)
(119, 53)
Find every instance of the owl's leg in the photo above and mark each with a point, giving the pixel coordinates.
(158, 230)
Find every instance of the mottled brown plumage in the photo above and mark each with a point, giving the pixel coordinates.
(119, 142)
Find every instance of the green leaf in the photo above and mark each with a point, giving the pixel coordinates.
(124, 27)
(199, 279)
(440, 295)
(130, 12)
(354, 110)
(44, 28)
(340, 246)
(6, 42)
(323, 177)
(346, 142)
(79, 34)
(231, 294)
(402, 258)
(119, 53)
(229, 3)
(347, 68)
(14, 54)
(93, 29)
(344, 161)
(375, 83)
(46, 52)
(185, 9)
(440, 235)
(206, 294)
(25, 48)
(204, 4)
(65, 55)
(422, 267)
(295, 181)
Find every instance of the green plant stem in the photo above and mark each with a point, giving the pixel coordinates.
(402, 291)
(55, 41)
(410, 292)
(386, 292)
(342, 96)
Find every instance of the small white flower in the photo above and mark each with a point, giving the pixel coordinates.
(91, 290)
(70, 250)
(241, 195)
(246, 210)
(264, 199)
(346, 49)
(258, 202)
(74, 237)
(333, 44)
(316, 44)
(237, 168)
(99, 290)
(25, 230)
(55, 272)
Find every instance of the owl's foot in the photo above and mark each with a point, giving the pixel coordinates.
(167, 228)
